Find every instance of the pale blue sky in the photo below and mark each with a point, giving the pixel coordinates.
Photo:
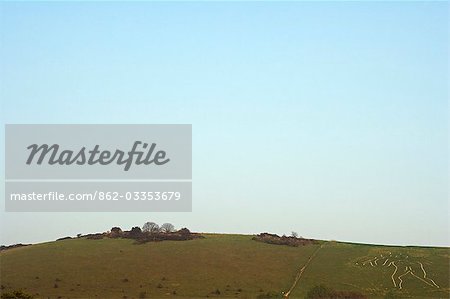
(330, 119)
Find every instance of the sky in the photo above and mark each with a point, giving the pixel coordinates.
(329, 118)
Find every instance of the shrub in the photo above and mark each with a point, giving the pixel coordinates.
(97, 236)
(283, 240)
(269, 295)
(319, 291)
(135, 232)
(116, 232)
(64, 238)
(184, 232)
(16, 295)
(322, 292)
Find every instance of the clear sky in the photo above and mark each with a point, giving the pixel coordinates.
(329, 119)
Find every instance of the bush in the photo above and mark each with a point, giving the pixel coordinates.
(269, 295)
(283, 240)
(116, 232)
(322, 292)
(319, 291)
(64, 238)
(184, 232)
(135, 232)
(97, 236)
(16, 295)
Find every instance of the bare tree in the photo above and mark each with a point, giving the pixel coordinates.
(294, 234)
(167, 227)
(151, 227)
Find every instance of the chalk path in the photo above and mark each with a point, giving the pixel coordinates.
(302, 269)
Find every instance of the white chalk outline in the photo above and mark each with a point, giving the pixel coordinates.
(408, 270)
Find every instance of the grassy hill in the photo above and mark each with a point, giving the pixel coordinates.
(220, 266)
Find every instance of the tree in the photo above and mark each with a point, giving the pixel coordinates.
(294, 234)
(151, 227)
(135, 232)
(167, 227)
(116, 232)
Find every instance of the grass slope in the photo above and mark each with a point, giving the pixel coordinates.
(233, 264)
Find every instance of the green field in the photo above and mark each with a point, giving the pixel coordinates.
(219, 266)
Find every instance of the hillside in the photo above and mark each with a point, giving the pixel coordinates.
(220, 266)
